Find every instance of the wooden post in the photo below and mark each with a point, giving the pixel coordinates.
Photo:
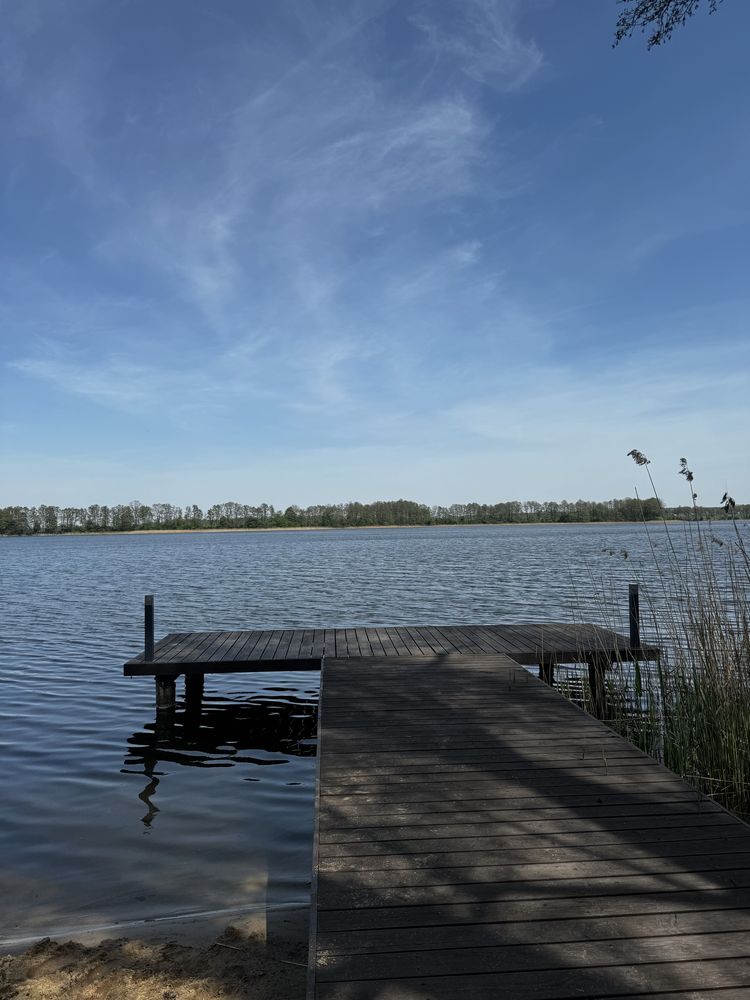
(164, 725)
(634, 613)
(148, 627)
(598, 663)
(194, 690)
(547, 670)
(165, 693)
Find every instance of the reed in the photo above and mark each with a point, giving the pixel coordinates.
(692, 709)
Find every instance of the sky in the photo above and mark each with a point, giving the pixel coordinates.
(309, 252)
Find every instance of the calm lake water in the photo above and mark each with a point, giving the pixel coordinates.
(104, 817)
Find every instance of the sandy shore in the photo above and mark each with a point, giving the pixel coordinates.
(235, 965)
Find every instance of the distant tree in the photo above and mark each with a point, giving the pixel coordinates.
(125, 518)
(49, 518)
(660, 17)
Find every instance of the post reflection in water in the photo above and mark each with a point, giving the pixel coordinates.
(214, 731)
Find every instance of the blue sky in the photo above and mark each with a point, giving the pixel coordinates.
(309, 252)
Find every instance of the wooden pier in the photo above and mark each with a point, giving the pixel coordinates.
(194, 654)
(479, 837)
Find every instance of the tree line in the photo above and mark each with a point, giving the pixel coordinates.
(47, 519)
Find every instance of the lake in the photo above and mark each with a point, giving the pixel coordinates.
(108, 819)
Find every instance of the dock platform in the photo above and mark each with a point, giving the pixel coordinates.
(279, 649)
(195, 654)
(479, 837)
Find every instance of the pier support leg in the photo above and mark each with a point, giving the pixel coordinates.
(148, 627)
(597, 666)
(165, 693)
(634, 614)
(164, 725)
(194, 690)
(547, 670)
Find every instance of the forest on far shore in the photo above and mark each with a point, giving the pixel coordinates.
(136, 516)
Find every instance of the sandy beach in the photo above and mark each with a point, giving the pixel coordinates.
(240, 965)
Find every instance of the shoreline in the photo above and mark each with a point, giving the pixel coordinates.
(352, 527)
(238, 963)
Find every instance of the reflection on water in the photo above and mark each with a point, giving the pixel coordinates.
(261, 731)
(208, 808)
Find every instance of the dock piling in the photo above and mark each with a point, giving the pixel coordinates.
(148, 627)
(547, 669)
(598, 663)
(194, 690)
(165, 693)
(634, 614)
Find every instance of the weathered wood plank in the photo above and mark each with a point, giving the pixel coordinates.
(606, 778)
(388, 763)
(351, 815)
(204, 648)
(383, 941)
(380, 644)
(352, 643)
(449, 769)
(343, 898)
(693, 979)
(402, 650)
(467, 791)
(224, 649)
(509, 958)
(245, 650)
(544, 741)
(533, 911)
(279, 650)
(375, 642)
(276, 638)
(329, 640)
(191, 642)
(171, 646)
(413, 811)
(464, 641)
(483, 852)
(511, 826)
(430, 637)
(586, 839)
(337, 883)
(363, 641)
(307, 644)
(387, 760)
(319, 643)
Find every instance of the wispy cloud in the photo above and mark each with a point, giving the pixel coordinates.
(117, 381)
(317, 378)
(686, 397)
(483, 37)
(307, 183)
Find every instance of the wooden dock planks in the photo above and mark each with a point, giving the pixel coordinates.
(480, 837)
(274, 649)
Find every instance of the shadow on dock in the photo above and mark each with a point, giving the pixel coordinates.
(492, 840)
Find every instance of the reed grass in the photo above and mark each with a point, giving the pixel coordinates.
(691, 710)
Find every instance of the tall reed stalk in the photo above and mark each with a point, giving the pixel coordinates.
(692, 709)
